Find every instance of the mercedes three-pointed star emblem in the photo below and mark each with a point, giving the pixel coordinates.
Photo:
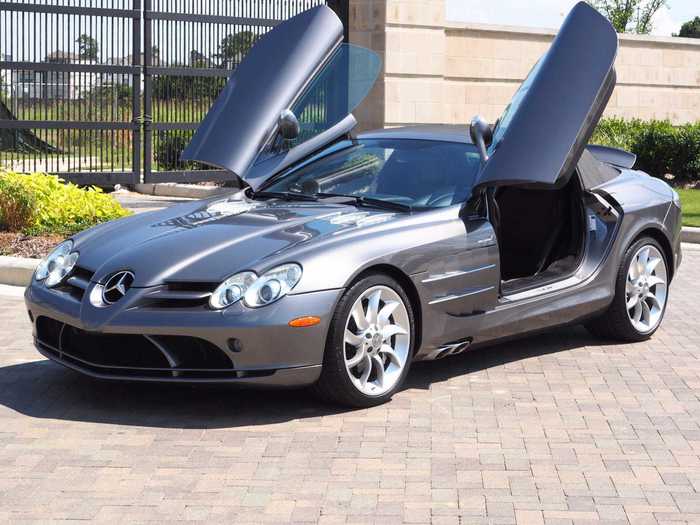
(116, 287)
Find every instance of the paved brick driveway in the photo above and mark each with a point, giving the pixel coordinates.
(554, 429)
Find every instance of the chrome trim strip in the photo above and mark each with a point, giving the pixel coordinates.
(460, 296)
(78, 282)
(456, 273)
(172, 361)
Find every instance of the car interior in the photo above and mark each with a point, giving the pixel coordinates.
(447, 174)
(540, 231)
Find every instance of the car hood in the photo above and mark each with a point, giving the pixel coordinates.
(207, 241)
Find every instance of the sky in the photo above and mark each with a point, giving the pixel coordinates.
(551, 13)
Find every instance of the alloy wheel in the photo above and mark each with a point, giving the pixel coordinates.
(377, 340)
(646, 289)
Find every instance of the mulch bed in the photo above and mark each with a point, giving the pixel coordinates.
(20, 245)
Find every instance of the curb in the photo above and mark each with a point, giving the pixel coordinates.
(17, 271)
(187, 191)
(689, 234)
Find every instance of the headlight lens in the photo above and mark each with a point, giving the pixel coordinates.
(231, 290)
(676, 198)
(57, 265)
(256, 291)
(273, 285)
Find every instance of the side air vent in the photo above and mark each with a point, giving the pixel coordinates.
(449, 350)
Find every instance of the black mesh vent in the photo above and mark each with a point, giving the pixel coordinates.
(133, 354)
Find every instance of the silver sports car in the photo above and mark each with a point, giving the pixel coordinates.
(344, 257)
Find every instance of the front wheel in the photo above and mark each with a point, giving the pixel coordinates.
(641, 294)
(370, 344)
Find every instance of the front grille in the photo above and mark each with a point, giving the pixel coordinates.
(133, 355)
(180, 295)
(76, 283)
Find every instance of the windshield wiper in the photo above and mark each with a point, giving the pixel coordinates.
(371, 202)
(285, 195)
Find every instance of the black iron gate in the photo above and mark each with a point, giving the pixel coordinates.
(110, 91)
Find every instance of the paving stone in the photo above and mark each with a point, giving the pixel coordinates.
(560, 428)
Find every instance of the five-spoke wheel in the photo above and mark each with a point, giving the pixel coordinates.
(370, 343)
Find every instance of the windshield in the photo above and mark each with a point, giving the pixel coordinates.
(417, 173)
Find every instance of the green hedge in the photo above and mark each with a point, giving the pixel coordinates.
(37, 204)
(661, 148)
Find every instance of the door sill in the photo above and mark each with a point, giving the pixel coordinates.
(541, 289)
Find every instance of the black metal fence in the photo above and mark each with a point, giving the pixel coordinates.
(110, 91)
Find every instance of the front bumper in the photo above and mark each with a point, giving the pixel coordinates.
(194, 345)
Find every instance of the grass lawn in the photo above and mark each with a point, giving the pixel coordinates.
(690, 201)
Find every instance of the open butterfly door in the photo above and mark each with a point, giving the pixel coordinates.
(550, 119)
(300, 66)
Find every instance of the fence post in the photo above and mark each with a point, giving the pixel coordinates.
(147, 93)
(136, 95)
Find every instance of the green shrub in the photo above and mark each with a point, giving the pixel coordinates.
(169, 147)
(617, 132)
(687, 163)
(655, 145)
(16, 204)
(39, 204)
(661, 147)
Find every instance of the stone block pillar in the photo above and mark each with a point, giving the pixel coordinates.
(409, 36)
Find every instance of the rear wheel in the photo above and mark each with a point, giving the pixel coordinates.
(641, 293)
(370, 344)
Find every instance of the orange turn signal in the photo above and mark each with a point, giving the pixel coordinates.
(303, 322)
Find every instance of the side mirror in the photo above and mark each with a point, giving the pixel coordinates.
(481, 134)
(288, 125)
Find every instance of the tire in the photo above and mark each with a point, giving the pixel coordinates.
(647, 295)
(372, 340)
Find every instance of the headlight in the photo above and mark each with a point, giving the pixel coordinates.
(272, 285)
(676, 198)
(231, 290)
(57, 265)
(256, 291)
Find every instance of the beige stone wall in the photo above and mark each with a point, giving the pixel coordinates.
(443, 72)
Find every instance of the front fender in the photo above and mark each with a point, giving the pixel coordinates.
(408, 245)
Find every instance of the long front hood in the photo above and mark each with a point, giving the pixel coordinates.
(207, 241)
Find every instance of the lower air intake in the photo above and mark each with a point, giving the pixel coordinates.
(133, 354)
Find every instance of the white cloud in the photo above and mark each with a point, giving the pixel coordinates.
(664, 24)
(535, 13)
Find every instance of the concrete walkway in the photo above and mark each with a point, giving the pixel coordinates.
(140, 203)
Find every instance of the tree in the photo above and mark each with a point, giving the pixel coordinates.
(87, 47)
(198, 59)
(630, 16)
(691, 29)
(234, 47)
